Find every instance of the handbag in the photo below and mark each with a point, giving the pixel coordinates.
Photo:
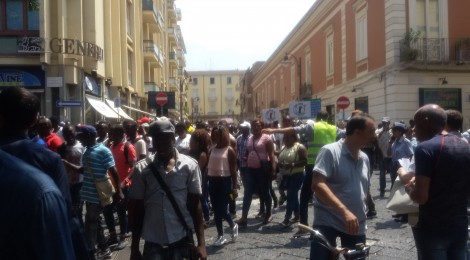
(104, 188)
(400, 201)
(265, 164)
(186, 244)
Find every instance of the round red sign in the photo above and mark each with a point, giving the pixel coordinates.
(161, 99)
(342, 102)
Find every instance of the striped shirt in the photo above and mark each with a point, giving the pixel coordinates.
(96, 160)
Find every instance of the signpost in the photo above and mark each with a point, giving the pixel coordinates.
(68, 103)
(161, 99)
(342, 103)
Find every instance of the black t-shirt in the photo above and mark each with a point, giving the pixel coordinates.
(446, 161)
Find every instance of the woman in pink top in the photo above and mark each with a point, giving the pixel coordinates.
(222, 175)
(261, 171)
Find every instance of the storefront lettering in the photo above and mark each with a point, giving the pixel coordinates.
(71, 46)
(11, 79)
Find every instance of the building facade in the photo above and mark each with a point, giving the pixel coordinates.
(91, 60)
(387, 57)
(213, 95)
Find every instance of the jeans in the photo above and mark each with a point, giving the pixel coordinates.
(441, 243)
(294, 182)
(384, 164)
(319, 252)
(93, 229)
(121, 209)
(306, 194)
(219, 192)
(77, 204)
(153, 251)
(256, 180)
(205, 198)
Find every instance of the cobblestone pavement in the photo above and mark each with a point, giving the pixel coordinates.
(388, 239)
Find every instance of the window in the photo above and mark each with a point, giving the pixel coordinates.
(329, 56)
(194, 80)
(129, 18)
(361, 34)
(229, 80)
(427, 18)
(308, 69)
(19, 15)
(292, 79)
(194, 93)
(129, 68)
(212, 80)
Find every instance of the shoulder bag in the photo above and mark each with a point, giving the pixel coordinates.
(104, 187)
(189, 247)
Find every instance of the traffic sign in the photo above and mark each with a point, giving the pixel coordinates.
(342, 102)
(161, 98)
(68, 103)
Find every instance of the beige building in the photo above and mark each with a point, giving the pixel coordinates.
(387, 57)
(213, 95)
(85, 57)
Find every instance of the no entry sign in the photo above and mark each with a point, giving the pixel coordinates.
(342, 102)
(161, 99)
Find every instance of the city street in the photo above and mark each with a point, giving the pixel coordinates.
(388, 239)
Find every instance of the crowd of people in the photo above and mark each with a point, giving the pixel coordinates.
(171, 179)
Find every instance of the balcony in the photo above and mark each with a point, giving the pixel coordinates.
(152, 54)
(172, 58)
(171, 7)
(151, 15)
(151, 86)
(435, 51)
(171, 33)
(178, 14)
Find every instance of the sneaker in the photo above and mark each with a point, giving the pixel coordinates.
(371, 214)
(301, 233)
(104, 254)
(121, 245)
(286, 222)
(220, 241)
(235, 233)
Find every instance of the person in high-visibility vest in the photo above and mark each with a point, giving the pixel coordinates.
(318, 133)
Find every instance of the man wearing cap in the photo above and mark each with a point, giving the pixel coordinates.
(182, 138)
(242, 141)
(97, 161)
(152, 214)
(383, 137)
(399, 147)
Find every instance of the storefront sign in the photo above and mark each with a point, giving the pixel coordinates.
(28, 78)
(71, 46)
(447, 98)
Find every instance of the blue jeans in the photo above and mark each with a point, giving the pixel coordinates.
(441, 243)
(93, 229)
(306, 194)
(219, 192)
(256, 180)
(319, 252)
(384, 164)
(293, 184)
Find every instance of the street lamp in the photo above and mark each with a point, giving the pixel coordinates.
(286, 61)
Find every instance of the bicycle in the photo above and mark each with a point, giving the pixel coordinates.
(360, 252)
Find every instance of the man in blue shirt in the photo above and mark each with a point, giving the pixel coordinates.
(34, 219)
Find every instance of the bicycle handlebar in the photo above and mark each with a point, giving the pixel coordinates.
(361, 249)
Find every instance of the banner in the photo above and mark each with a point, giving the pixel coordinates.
(270, 115)
(304, 109)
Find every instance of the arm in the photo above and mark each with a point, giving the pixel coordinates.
(202, 162)
(232, 161)
(115, 177)
(287, 130)
(195, 209)
(270, 150)
(324, 193)
(405, 176)
(419, 189)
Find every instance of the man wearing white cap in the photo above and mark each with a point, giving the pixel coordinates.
(242, 141)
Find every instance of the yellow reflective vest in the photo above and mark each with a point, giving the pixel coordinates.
(323, 133)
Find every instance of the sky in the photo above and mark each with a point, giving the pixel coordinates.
(233, 34)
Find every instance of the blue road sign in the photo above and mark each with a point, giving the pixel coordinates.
(68, 103)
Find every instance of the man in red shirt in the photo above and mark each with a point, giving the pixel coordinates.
(125, 157)
(46, 132)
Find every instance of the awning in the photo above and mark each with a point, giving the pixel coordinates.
(118, 110)
(101, 107)
(140, 111)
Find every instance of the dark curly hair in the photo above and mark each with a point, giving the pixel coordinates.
(201, 137)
